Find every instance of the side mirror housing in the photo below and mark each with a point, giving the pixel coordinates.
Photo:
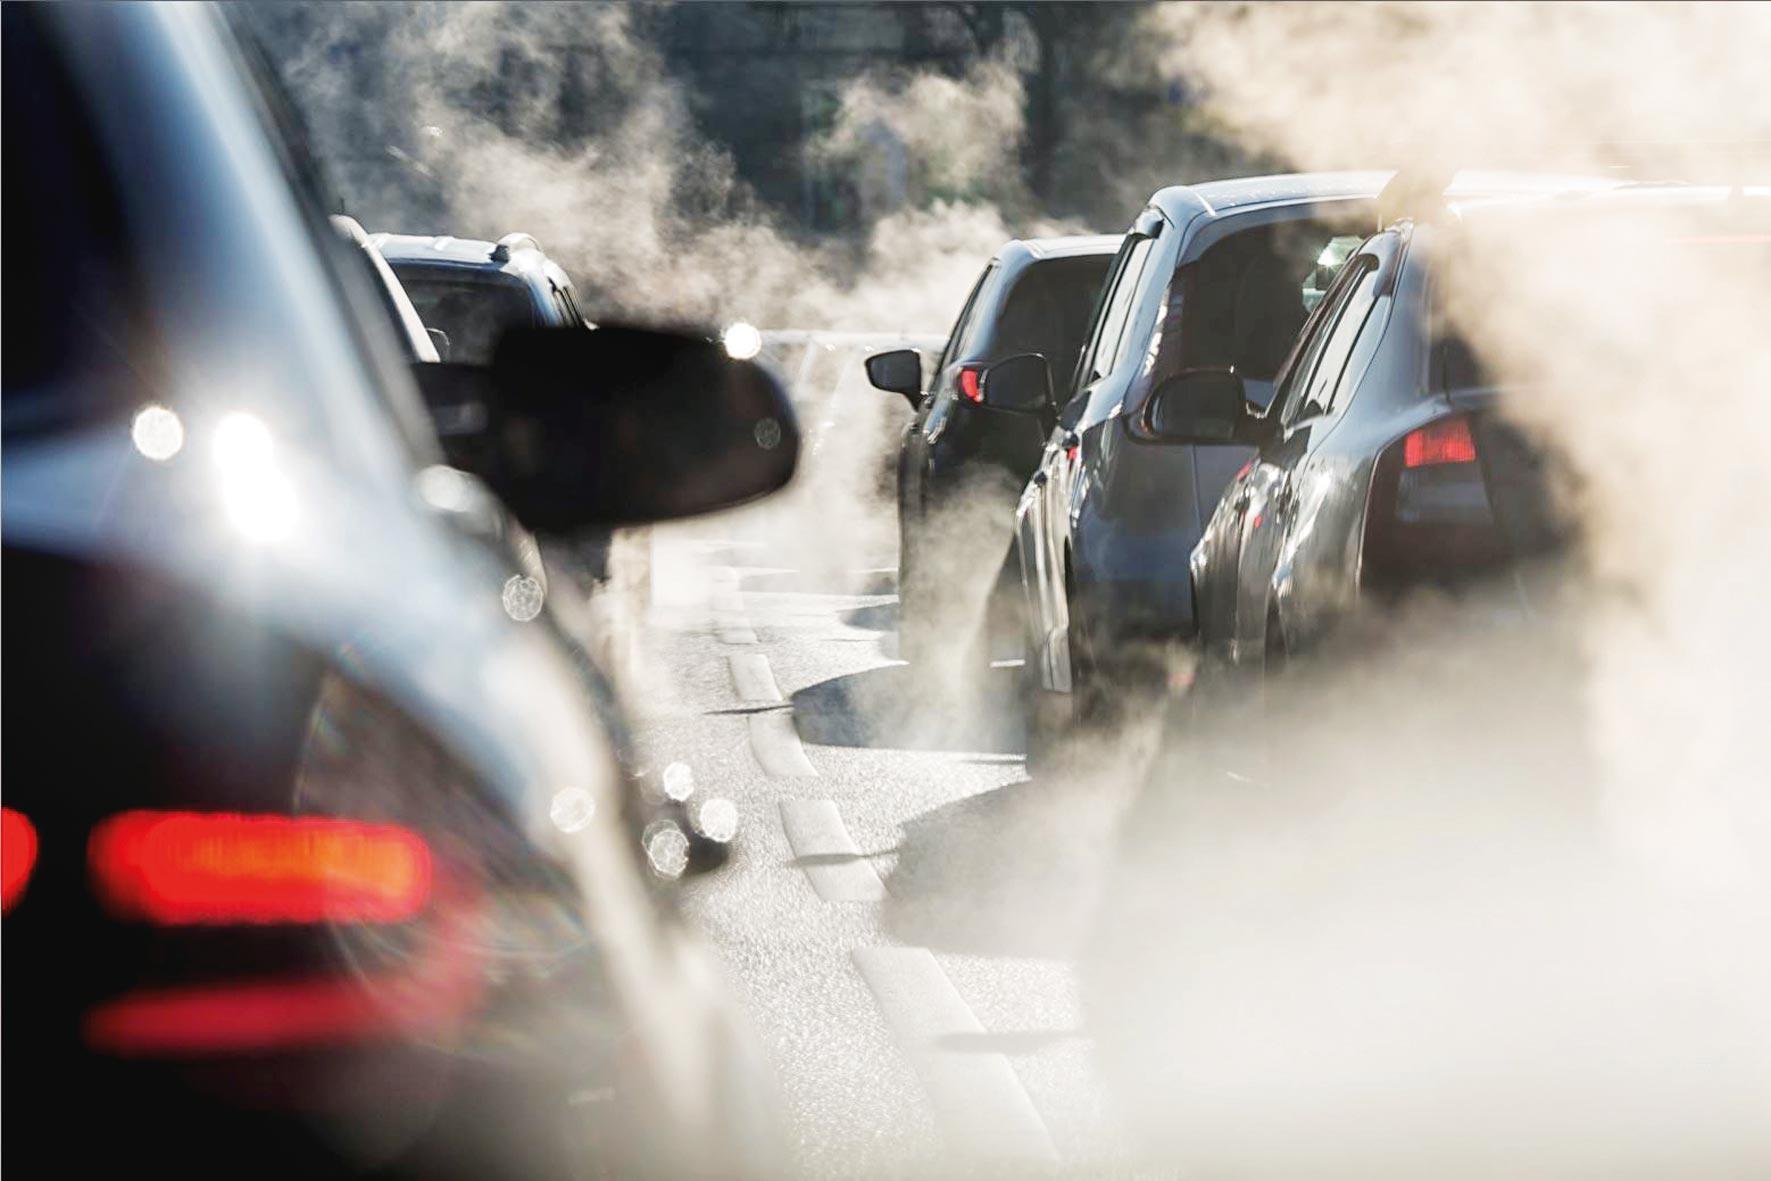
(897, 372)
(1199, 406)
(1021, 384)
(615, 426)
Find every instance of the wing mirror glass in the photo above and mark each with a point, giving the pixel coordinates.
(1199, 406)
(897, 372)
(614, 426)
(1020, 384)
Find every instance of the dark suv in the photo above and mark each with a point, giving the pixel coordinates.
(963, 460)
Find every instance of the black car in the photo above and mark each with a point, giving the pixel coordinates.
(315, 854)
(1383, 464)
(1221, 273)
(963, 460)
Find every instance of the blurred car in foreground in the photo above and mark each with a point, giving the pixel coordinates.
(315, 854)
(963, 460)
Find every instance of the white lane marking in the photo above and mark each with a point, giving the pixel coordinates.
(775, 743)
(729, 620)
(978, 1099)
(752, 677)
(815, 830)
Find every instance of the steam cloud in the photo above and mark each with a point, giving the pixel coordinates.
(1468, 903)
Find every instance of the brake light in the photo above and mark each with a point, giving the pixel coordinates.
(971, 385)
(18, 855)
(1447, 441)
(177, 868)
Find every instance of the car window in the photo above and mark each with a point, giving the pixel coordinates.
(1300, 367)
(1242, 303)
(1107, 347)
(1048, 310)
(1328, 264)
(472, 312)
(966, 326)
(1319, 395)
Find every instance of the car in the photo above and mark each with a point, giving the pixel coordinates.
(1215, 273)
(467, 292)
(461, 430)
(1412, 484)
(470, 290)
(962, 460)
(315, 857)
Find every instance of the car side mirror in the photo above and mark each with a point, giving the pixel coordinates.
(440, 341)
(897, 372)
(1021, 384)
(616, 426)
(1199, 406)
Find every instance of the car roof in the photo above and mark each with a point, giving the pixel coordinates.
(521, 257)
(1618, 199)
(1068, 246)
(1216, 197)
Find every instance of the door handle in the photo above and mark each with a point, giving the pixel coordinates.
(1240, 501)
(1039, 478)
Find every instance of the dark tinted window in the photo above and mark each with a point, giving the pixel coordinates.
(1244, 301)
(473, 312)
(1107, 346)
(1300, 367)
(966, 326)
(1048, 310)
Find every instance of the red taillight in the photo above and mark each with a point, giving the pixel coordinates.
(1446, 441)
(187, 867)
(18, 854)
(971, 386)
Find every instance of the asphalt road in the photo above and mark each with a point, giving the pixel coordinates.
(905, 905)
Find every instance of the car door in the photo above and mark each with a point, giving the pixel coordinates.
(1278, 494)
(1054, 486)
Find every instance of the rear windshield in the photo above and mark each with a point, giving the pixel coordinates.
(472, 310)
(1048, 310)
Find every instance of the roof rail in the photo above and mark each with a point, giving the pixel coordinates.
(1413, 193)
(516, 241)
